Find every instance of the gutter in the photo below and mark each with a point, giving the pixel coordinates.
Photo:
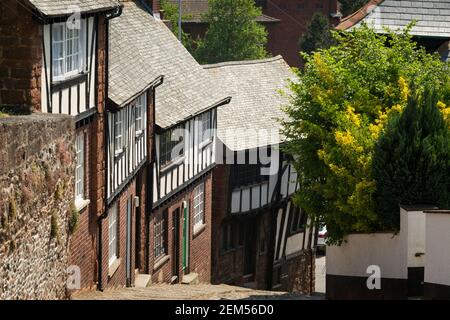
(222, 102)
(113, 15)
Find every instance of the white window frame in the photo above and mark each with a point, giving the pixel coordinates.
(139, 120)
(79, 168)
(67, 43)
(159, 237)
(206, 127)
(113, 236)
(119, 131)
(199, 206)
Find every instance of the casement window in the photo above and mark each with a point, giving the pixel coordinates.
(247, 174)
(79, 168)
(68, 50)
(160, 235)
(199, 206)
(113, 229)
(298, 221)
(141, 103)
(227, 239)
(206, 126)
(168, 141)
(119, 118)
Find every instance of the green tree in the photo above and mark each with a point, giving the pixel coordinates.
(350, 6)
(233, 33)
(318, 35)
(340, 105)
(411, 163)
(171, 13)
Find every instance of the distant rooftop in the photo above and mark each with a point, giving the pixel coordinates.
(193, 10)
(432, 16)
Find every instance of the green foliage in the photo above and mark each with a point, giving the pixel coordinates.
(73, 220)
(233, 33)
(350, 6)
(411, 163)
(340, 105)
(171, 13)
(318, 35)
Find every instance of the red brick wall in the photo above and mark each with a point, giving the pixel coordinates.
(200, 244)
(284, 36)
(84, 242)
(20, 57)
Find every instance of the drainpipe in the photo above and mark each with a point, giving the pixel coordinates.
(108, 17)
(149, 189)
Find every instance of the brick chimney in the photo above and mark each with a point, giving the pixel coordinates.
(155, 5)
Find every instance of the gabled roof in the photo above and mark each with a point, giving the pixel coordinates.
(143, 49)
(432, 16)
(54, 8)
(256, 100)
(192, 10)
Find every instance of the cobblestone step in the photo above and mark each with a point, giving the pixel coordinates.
(191, 292)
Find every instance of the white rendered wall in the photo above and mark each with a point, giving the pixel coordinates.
(437, 258)
(352, 258)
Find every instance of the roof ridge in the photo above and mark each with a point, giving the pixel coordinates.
(241, 62)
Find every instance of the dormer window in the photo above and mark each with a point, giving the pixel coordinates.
(68, 49)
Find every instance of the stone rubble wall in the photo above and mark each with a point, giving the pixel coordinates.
(36, 196)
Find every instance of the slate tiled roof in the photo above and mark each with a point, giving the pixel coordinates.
(143, 49)
(193, 10)
(256, 100)
(432, 16)
(51, 8)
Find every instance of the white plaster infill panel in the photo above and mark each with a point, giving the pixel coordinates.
(437, 258)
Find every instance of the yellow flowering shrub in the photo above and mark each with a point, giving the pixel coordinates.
(341, 104)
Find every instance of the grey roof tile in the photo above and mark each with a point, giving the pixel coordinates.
(433, 16)
(142, 49)
(255, 88)
(65, 7)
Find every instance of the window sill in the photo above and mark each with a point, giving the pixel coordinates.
(172, 164)
(114, 267)
(118, 154)
(160, 262)
(81, 204)
(62, 82)
(199, 229)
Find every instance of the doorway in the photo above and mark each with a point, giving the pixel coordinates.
(250, 250)
(176, 216)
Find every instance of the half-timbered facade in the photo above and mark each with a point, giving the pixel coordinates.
(62, 58)
(260, 238)
(181, 135)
